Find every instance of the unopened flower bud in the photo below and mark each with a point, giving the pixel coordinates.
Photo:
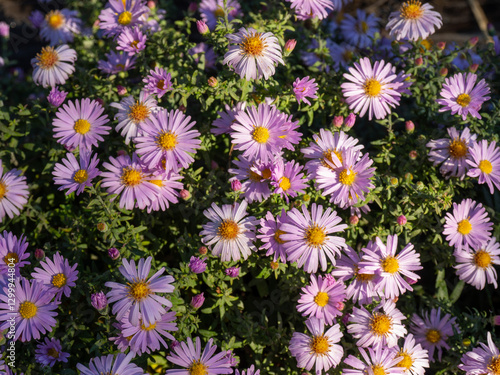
(473, 41)
(4, 29)
(408, 176)
(491, 29)
(184, 194)
(338, 121)
(39, 254)
(274, 265)
(473, 68)
(340, 305)
(354, 220)
(232, 271)
(235, 185)
(121, 153)
(102, 227)
(402, 220)
(202, 27)
(193, 7)
(409, 126)
(419, 61)
(443, 72)
(202, 250)
(413, 154)
(466, 342)
(151, 4)
(350, 120)
(290, 46)
(99, 301)
(214, 165)
(197, 301)
(100, 101)
(306, 198)
(113, 253)
(345, 318)
(121, 90)
(197, 265)
(394, 181)
(212, 82)
(441, 45)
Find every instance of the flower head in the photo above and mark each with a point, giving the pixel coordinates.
(12, 252)
(482, 360)
(305, 88)
(158, 82)
(56, 97)
(484, 163)
(412, 357)
(111, 364)
(197, 265)
(413, 21)
(377, 361)
(52, 66)
(59, 26)
(56, 275)
(99, 300)
(360, 30)
(75, 176)
(116, 62)
(13, 192)
(312, 8)
(287, 179)
(270, 234)
(121, 15)
(131, 40)
(49, 352)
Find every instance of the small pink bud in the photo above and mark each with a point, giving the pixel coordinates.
(473, 41)
(197, 301)
(212, 82)
(214, 165)
(409, 126)
(413, 154)
(496, 320)
(402, 220)
(354, 220)
(151, 4)
(39, 254)
(193, 7)
(350, 120)
(100, 101)
(419, 61)
(202, 27)
(184, 194)
(202, 250)
(441, 45)
(121, 90)
(99, 301)
(340, 305)
(113, 253)
(235, 185)
(274, 265)
(473, 68)
(443, 72)
(290, 46)
(338, 121)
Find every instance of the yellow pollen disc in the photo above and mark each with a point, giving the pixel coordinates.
(464, 227)
(260, 134)
(378, 370)
(81, 126)
(277, 237)
(319, 345)
(433, 336)
(3, 189)
(347, 177)
(372, 87)
(80, 176)
(315, 236)
(364, 277)
(120, 66)
(161, 84)
(390, 265)
(55, 19)
(406, 360)
(254, 176)
(494, 365)
(253, 45)
(157, 182)
(53, 353)
(134, 44)
(457, 149)
(8, 258)
(27, 310)
(485, 166)
(148, 328)
(131, 176)
(167, 141)
(427, 44)
(59, 280)
(228, 230)
(463, 100)
(347, 55)
(411, 10)
(380, 324)
(138, 112)
(197, 368)
(482, 259)
(219, 12)
(139, 290)
(364, 26)
(266, 173)
(125, 18)
(321, 299)
(327, 156)
(47, 58)
(285, 183)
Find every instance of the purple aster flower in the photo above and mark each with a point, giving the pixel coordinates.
(12, 251)
(116, 62)
(56, 97)
(391, 270)
(254, 176)
(468, 225)
(133, 113)
(226, 118)
(378, 360)
(461, 95)
(305, 88)
(158, 82)
(32, 310)
(212, 10)
(76, 176)
(13, 192)
(291, 136)
(52, 66)
(49, 352)
(99, 301)
(413, 21)
(433, 331)
(287, 180)
(80, 123)
(140, 296)
(111, 364)
(250, 371)
(113, 253)
(197, 265)
(169, 137)
(308, 237)
(482, 360)
(197, 301)
(188, 355)
(475, 266)
(372, 89)
(322, 298)
(342, 54)
(232, 271)
(319, 348)
(253, 54)
(59, 26)
(359, 31)
(381, 327)
(204, 49)
(312, 8)
(270, 229)
(57, 276)
(452, 152)
(412, 357)
(36, 18)
(230, 231)
(484, 163)
(167, 181)
(131, 40)
(120, 15)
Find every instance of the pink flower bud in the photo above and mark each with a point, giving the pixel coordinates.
(290, 46)
(419, 61)
(113, 253)
(413, 154)
(443, 72)
(202, 250)
(197, 301)
(402, 220)
(212, 82)
(340, 305)
(338, 121)
(102, 227)
(473, 41)
(202, 27)
(232, 271)
(99, 301)
(350, 120)
(473, 68)
(121, 90)
(409, 126)
(151, 4)
(184, 194)
(39, 254)
(354, 220)
(345, 318)
(275, 265)
(441, 45)
(235, 185)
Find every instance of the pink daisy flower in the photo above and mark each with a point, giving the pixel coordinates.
(462, 96)
(433, 331)
(381, 327)
(413, 21)
(308, 237)
(230, 231)
(475, 266)
(158, 82)
(287, 179)
(120, 15)
(305, 88)
(13, 192)
(270, 229)
(226, 118)
(482, 360)
(312, 8)
(52, 66)
(291, 136)
(319, 348)
(116, 62)
(452, 152)
(250, 371)
(131, 40)
(484, 163)
(12, 251)
(59, 26)
(49, 352)
(75, 176)
(254, 176)
(167, 181)
(111, 364)
(468, 225)
(323, 299)
(412, 357)
(377, 361)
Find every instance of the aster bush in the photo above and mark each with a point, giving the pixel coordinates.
(259, 187)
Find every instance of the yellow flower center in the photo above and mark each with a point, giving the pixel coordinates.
(157, 182)
(81, 126)
(197, 368)
(319, 344)
(266, 174)
(219, 12)
(138, 112)
(131, 176)
(254, 176)
(433, 336)
(463, 100)
(148, 328)
(406, 360)
(315, 236)
(161, 84)
(327, 156)
(321, 299)
(380, 324)
(457, 149)
(3, 189)
(494, 365)
(253, 45)
(125, 18)
(11, 258)
(47, 58)
(55, 19)
(59, 280)
(27, 310)
(277, 237)
(364, 277)
(260, 134)
(347, 55)
(364, 26)
(464, 227)
(285, 183)
(427, 44)
(167, 141)
(485, 166)
(139, 290)
(372, 87)
(120, 66)
(347, 177)
(378, 370)
(390, 265)
(482, 259)
(228, 230)
(411, 10)
(80, 176)
(53, 353)
(134, 44)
